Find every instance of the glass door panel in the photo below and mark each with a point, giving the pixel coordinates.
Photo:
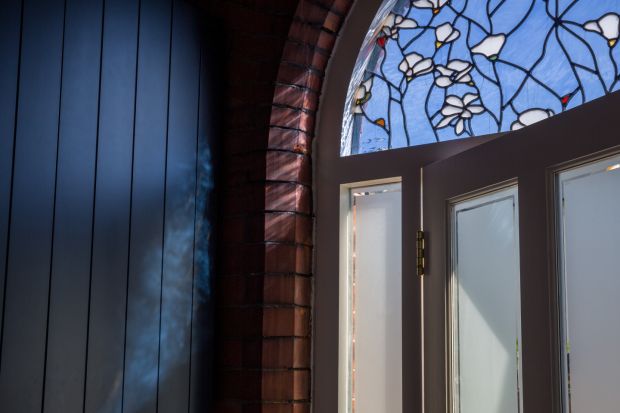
(474, 361)
(486, 317)
(589, 216)
(374, 314)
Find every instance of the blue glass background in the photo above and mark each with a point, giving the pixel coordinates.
(547, 55)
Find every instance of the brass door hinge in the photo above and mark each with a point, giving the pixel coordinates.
(420, 253)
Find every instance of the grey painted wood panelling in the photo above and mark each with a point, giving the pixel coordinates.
(106, 183)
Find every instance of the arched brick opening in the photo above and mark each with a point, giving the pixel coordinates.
(277, 53)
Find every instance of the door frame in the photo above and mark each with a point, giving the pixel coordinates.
(532, 157)
(332, 176)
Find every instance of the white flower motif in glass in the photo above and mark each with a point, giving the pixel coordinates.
(490, 47)
(435, 5)
(441, 70)
(415, 65)
(393, 24)
(608, 26)
(445, 33)
(457, 110)
(457, 71)
(530, 117)
(362, 95)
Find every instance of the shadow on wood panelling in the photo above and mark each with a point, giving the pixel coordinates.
(106, 199)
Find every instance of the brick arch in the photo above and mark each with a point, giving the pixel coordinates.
(277, 60)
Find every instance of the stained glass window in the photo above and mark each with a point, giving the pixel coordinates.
(436, 70)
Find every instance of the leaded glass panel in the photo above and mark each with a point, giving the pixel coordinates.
(437, 70)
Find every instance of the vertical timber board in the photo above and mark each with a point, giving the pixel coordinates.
(68, 314)
(27, 285)
(180, 209)
(147, 215)
(10, 29)
(108, 291)
(202, 322)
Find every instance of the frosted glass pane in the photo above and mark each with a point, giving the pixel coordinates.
(376, 348)
(486, 319)
(591, 281)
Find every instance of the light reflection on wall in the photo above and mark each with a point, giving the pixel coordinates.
(174, 305)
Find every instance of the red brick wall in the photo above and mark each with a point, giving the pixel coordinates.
(276, 54)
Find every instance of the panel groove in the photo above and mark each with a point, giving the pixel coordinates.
(196, 185)
(92, 229)
(110, 251)
(163, 235)
(133, 157)
(144, 295)
(200, 364)
(10, 212)
(49, 283)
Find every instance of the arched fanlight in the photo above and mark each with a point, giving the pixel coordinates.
(437, 70)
